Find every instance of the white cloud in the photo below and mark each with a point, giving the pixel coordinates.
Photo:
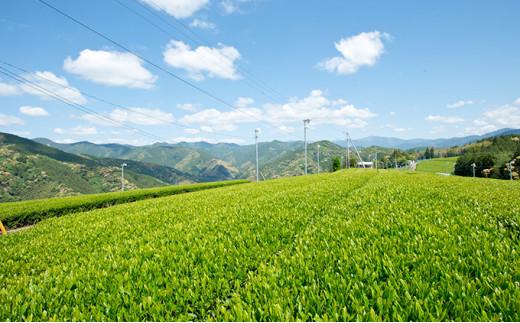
(8, 89)
(228, 6)
(135, 115)
(33, 111)
(444, 119)
(78, 131)
(7, 120)
(392, 113)
(111, 68)
(360, 50)
(202, 24)
(395, 128)
(479, 127)
(243, 102)
(460, 104)
(320, 110)
(192, 131)
(315, 107)
(232, 6)
(203, 61)
(187, 107)
(286, 129)
(504, 116)
(65, 141)
(208, 140)
(215, 120)
(142, 116)
(177, 8)
(52, 85)
(83, 131)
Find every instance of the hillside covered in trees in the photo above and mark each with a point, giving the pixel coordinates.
(491, 158)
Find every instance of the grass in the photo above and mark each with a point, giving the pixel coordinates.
(437, 165)
(352, 245)
(17, 214)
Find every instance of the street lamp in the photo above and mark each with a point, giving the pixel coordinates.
(123, 165)
(257, 131)
(305, 126)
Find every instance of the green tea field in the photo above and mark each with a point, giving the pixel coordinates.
(344, 246)
(437, 165)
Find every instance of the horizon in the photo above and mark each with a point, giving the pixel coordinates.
(334, 141)
(345, 66)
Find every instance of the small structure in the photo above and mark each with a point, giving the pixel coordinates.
(364, 164)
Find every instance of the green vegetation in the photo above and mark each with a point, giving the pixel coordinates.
(437, 165)
(29, 170)
(336, 164)
(351, 245)
(17, 214)
(491, 158)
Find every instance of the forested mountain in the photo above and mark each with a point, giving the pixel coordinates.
(491, 158)
(31, 170)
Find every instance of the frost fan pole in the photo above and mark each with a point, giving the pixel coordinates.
(305, 125)
(318, 158)
(348, 151)
(123, 165)
(257, 131)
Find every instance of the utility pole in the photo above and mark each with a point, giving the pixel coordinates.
(305, 125)
(473, 167)
(257, 131)
(376, 159)
(348, 150)
(123, 165)
(318, 158)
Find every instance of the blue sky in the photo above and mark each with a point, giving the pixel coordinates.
(406, 69)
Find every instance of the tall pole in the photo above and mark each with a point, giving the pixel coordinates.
(256, 144)
(305, 125)
(123, 176)
(348, 151)
(318, 158)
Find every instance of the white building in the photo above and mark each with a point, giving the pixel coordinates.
(365, 164)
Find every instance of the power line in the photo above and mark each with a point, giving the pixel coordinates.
(198, 40)
(77, 106)
(109, 102)
(201, 90)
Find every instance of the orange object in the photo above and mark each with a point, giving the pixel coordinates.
(2, 228)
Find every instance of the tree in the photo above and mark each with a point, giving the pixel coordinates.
(482, 161)
(336, 163)
(353, 162)
(427, 153)
(432, 153)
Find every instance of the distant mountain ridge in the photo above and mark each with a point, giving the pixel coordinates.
(203, 161)
(391, 142)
